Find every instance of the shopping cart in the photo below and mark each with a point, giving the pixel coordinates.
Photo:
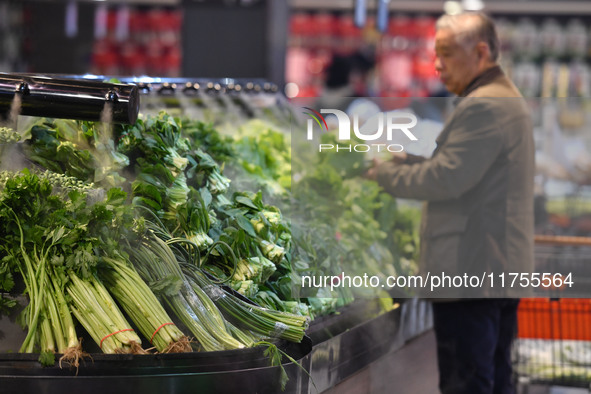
(553, 345)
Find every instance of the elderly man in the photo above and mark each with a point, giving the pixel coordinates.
(478, 216)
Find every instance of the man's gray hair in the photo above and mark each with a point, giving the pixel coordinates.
(471, 28)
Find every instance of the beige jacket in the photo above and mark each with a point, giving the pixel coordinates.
(478, 188)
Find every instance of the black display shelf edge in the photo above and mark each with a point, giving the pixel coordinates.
(344, 344)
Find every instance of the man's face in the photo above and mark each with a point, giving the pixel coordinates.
(457, 66)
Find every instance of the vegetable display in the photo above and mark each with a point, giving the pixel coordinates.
(70, 237)
(150, 235)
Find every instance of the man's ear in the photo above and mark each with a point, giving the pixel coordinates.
(483, 52)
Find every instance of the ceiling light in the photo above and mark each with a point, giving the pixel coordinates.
(473, 5)
(452, 7)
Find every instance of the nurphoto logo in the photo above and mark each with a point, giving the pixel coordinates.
(392, 122)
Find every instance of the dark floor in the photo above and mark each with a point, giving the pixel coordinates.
(413, 370)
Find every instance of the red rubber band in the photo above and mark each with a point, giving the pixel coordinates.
(158, 329)
(113, 333)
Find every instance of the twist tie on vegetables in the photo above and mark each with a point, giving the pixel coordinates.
(158, 329)
(213, 292)
(279, 329)
(113, 333)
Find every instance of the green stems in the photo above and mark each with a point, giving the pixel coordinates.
(157, 263)
(264, 321)
(142, 306)
(96, 310)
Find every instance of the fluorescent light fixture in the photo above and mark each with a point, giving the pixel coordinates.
(452, 7)
(473, 5)
(292, 90)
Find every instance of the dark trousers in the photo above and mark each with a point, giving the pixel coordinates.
(474, 340)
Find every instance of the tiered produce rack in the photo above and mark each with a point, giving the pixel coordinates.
(336, 346)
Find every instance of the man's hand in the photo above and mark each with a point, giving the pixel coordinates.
(372, 173)
(397, 158)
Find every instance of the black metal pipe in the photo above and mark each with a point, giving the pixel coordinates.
(68, 98)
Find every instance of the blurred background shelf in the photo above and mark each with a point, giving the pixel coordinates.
(434, 6)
